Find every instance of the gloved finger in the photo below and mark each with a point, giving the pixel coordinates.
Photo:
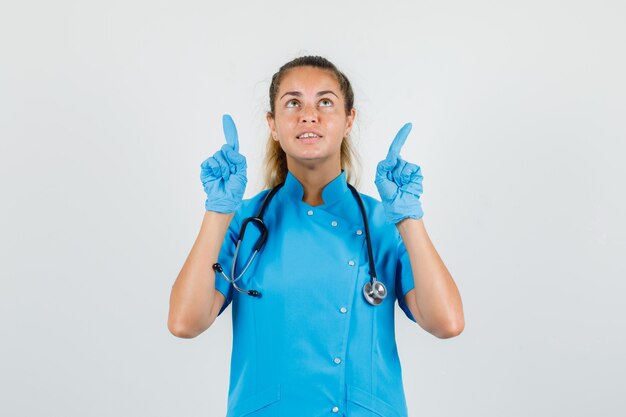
(225, 167)
(407, 172)
(230, 131)
(398, 141)
(235, 158)
(396, 173)
(384, 167)
(210, 166)
(413, 187)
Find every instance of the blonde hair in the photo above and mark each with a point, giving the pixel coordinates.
(275, 161)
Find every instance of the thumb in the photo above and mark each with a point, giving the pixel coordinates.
(233, 156)
(386, 166)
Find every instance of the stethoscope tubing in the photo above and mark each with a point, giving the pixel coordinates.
(373, 291)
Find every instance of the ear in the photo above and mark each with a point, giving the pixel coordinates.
(271, 125)
(350, 120)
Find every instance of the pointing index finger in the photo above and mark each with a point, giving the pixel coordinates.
(230, 131)
(398, 141)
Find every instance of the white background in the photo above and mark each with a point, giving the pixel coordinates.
(107, 109)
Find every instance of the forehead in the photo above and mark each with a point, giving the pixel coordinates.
(309, 79)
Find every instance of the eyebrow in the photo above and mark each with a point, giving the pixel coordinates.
(299, 94)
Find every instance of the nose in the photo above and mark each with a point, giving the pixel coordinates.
(309, 114)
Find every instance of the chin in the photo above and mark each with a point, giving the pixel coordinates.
(307, 157)
(310, 157)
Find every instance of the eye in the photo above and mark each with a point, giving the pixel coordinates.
(293, 100)
(330, 103)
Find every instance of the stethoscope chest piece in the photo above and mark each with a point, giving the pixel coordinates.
(374, 295)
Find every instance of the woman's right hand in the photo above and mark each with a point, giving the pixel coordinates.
(223, 175)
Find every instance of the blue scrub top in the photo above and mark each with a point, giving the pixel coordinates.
(312, 345)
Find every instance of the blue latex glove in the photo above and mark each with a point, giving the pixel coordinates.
(399, 182)
(223, 175)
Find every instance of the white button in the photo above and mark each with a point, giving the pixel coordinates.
(335, 409)
(310, 212)
(351, 263)
(333, 223)
(343, 309)
(359, 232)
(337, 360)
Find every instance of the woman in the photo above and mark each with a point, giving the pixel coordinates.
(313, 310)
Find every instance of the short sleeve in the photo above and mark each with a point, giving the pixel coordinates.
(404, 277)
(225, 259)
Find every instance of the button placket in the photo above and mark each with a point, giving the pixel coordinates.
(352, 233)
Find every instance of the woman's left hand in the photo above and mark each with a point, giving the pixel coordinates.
(399, 182)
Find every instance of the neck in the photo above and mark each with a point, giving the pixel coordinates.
(313, 180)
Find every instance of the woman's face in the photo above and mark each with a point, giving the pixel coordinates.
(310, 100)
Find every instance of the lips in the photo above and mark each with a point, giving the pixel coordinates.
(318, 134)
(309, 140)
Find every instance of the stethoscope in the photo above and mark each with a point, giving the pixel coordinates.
(374, 291)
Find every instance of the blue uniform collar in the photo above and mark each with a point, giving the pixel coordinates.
(331, 193)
